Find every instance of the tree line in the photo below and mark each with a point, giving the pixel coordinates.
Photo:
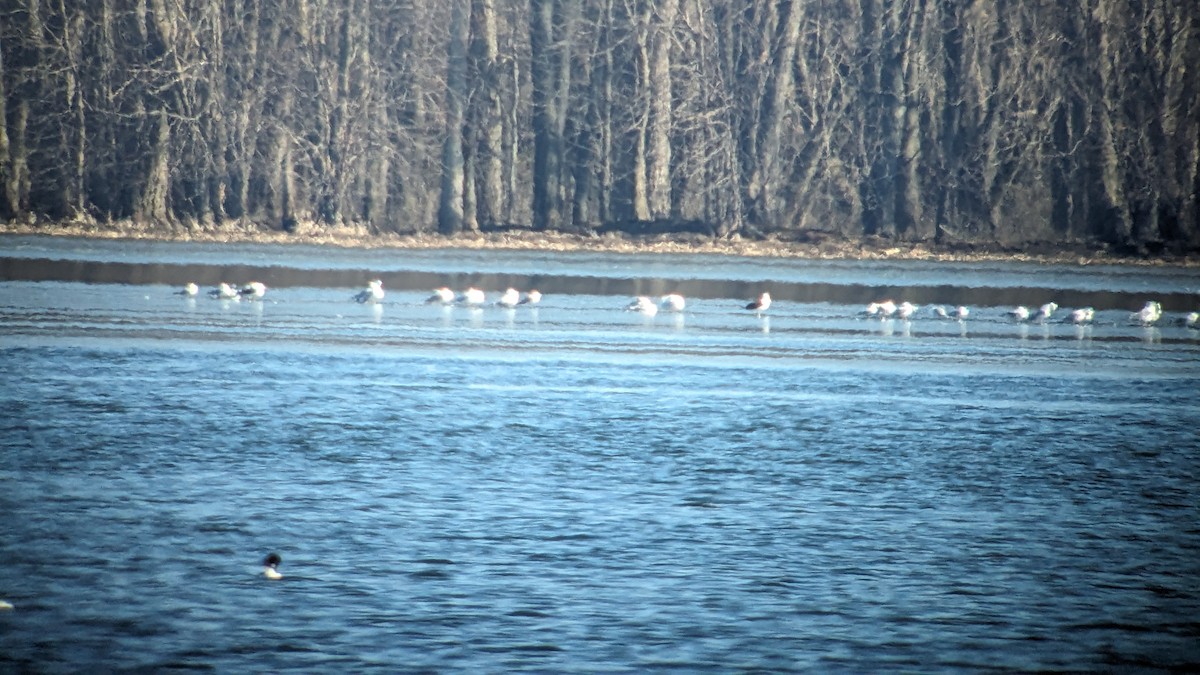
(947, 121)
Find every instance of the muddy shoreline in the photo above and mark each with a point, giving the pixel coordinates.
(525, 240)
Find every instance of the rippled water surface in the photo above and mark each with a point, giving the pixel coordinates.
(579, 488)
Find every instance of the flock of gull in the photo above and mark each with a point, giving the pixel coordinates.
(1150, 314)
(471, 297)
(255, 290)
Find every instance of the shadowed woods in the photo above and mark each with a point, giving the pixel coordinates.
(1014, 124)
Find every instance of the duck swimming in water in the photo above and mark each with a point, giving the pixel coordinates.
(271, 565)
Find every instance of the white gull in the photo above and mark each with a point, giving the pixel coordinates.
(644, 305)
(673, 302)
(443, 295)
(762, 304)
(472, 297)
(373, 293)
(510, 298)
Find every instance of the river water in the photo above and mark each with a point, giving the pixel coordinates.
(574, 487)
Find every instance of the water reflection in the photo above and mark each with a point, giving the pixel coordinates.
(645, 320)
(41, 269)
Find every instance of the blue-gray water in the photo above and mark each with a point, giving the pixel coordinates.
(578, 488)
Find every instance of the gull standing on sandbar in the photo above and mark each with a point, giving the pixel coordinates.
(1044, 312)
(443, 295)
(373, 293)
(510, 299)
(644, 305)
(1081, 316)
(1019, 313)
(472, 297)
(1149, 315)
(225, 291)
(254, 290)
(762, 304)
(906, 310)
(672, 302)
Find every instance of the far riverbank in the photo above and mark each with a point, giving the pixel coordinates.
(526, 240)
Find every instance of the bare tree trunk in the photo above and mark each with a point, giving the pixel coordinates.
(1121, 225)
(659, 129)
(640, 199)
(485, 47)
(9, 206)
(512, 140)
(545, 65)
(884, 113)
(73, 135)
(16, 178)
(375, 207)
(916, 85)
(450, 210)
(154, 203)
(770, 160)
(470, 160)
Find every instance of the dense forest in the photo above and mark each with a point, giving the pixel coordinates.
(942, 121)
